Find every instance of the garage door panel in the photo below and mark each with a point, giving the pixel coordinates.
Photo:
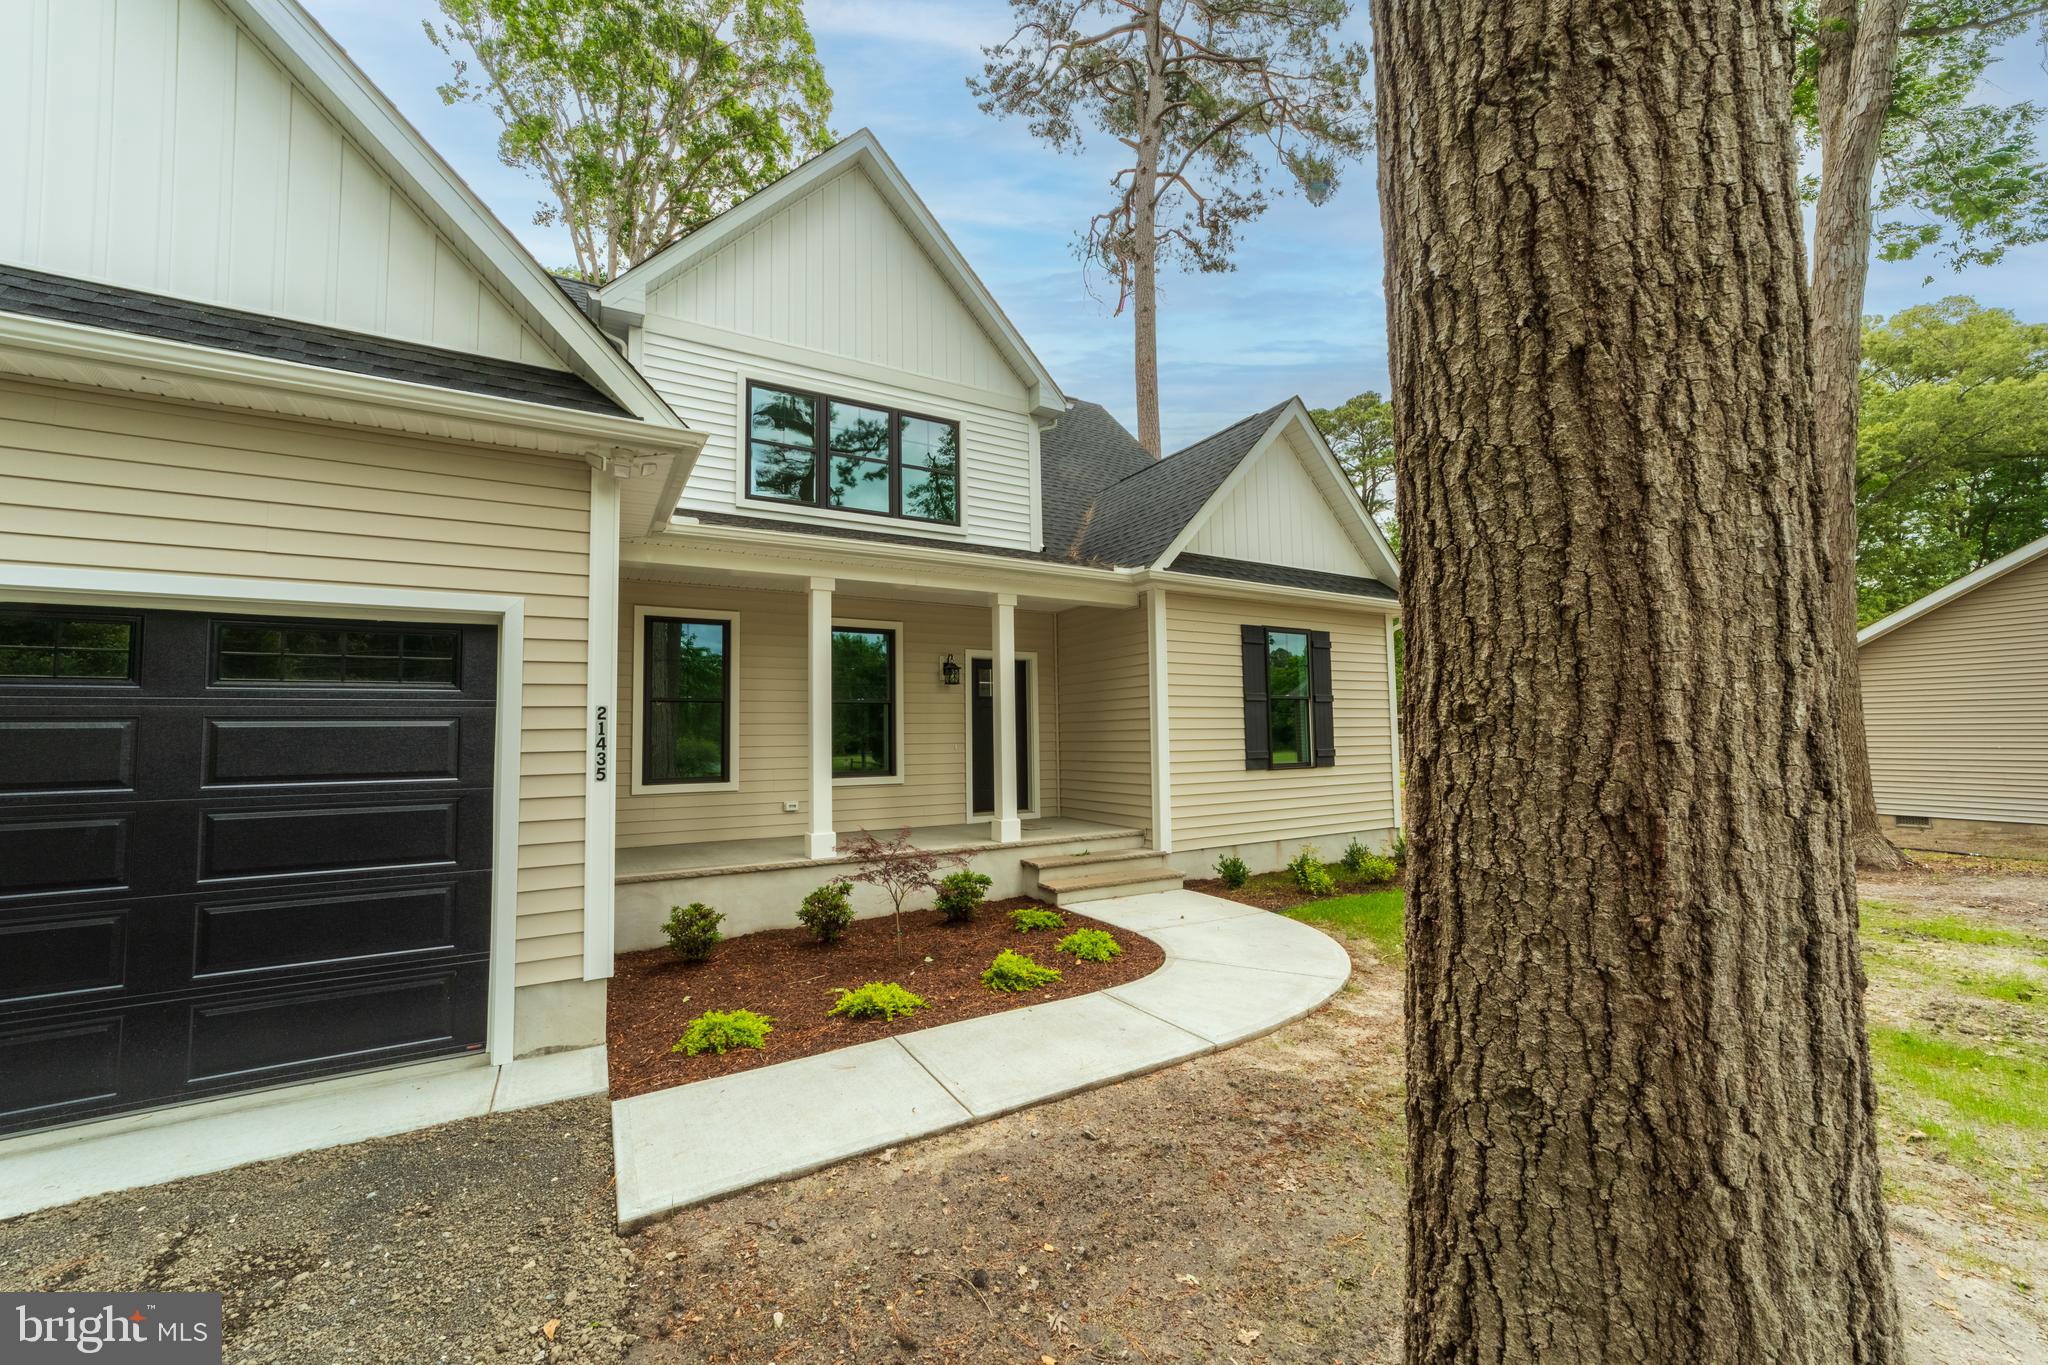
(39, 757)
(211, 883)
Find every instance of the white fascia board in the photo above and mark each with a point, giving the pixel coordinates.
(1365, 535)
(1969, 582)
(153, 360)
(627, 294)
(295, 39)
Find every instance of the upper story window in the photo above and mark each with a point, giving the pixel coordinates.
(821, 451)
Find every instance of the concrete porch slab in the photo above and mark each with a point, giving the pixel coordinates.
(1232, 972)
(682, 1146)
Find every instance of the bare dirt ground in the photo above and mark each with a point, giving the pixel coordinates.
(1244, 1207)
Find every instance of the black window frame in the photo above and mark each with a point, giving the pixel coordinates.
(819, 486)
(219, 626)
(62, 617)
(889, 704)
(1304, 704)
(648, 700)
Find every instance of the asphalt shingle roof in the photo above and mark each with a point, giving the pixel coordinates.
(1281, 575)
(33, 293)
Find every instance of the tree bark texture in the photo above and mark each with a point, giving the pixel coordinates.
(1640, 1109)
(1859, 45)
(1145, 234)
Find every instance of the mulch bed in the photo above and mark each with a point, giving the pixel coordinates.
(789, 976)
(1277, 891)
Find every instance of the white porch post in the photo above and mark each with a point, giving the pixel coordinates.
(1005, 828)
(821, 842)
(1162, 728)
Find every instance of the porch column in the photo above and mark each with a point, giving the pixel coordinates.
(821, 842)
(1005, 828)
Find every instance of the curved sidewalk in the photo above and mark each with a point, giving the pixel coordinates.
(1232, 972)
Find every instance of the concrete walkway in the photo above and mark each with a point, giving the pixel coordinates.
(1232, 972)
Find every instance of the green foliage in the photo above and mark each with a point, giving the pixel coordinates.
(1026, 918)
(1090, 945)
(1015, 972)
(961, 894)
(877, 1000)
(692, 930)
(1366, 865)
(720, 1031)
(828, 911)
(1952, 447)
(1360, 432)
(1232, 872)
(1309, 873)
(1400, 848)
(1957, 176)
(1376, 915)
(645, 117)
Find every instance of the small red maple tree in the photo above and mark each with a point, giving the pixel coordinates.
(899, 867)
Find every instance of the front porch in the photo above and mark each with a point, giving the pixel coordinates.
(718, 857)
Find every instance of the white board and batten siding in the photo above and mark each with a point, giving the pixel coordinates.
(1216, 800)
(1955, 705)
(1277, 514)
(155, 145)
(107, 482)
(833, 294)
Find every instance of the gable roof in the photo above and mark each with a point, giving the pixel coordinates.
(34, 293)
(627, 293)
(297, 41)
(1940, 597)
(1107, 500)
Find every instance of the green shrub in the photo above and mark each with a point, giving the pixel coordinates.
(1231, 870)
(721, 1030)
(1366, 865)
(827, 911)
(877, 1000)
(692, 930)
(961, 894)
(1309, 873)
(1016, 972)
(1029, 917)
(1090, 945)
(1400, 848)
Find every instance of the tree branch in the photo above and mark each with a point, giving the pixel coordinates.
(1975, 25)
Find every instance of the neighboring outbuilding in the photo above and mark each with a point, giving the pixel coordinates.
(1955, 699)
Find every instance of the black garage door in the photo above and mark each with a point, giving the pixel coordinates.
(235, 851)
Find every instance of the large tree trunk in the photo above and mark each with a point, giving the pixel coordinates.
(1145, 235)
(1640, 1111)
(1854, 89)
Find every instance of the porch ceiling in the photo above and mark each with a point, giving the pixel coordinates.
(853, 579)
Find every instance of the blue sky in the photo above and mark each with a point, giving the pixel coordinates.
(1303, 312)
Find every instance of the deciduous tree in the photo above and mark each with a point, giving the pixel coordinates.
(1361, 435)
(1641, 1120)
(644, 117)
(1218, 104)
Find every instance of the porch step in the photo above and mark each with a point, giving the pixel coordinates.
(1050, 861)
(1120, 877)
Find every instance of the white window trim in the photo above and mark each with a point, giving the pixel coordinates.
(897, 670)
(1030, 716)
(781, 510)
(191, 592)
(732, 706)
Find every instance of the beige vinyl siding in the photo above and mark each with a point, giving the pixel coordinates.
(771, 692)
(1105, 709)
(1216, 801)
(118, 483)
(1955, 705)
(156, 144)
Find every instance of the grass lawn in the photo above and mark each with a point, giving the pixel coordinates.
(1372, 915)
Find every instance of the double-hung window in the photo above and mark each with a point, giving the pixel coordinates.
(686, 717)
(840, 453)
(863, 701)
(1289, 703)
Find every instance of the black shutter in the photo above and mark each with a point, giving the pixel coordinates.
(1258, 743)
(1322, 699)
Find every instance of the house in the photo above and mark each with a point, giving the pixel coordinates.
(390, 633)
(1955, 708)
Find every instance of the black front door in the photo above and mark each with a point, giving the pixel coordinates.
(236, 851)
(985, 736)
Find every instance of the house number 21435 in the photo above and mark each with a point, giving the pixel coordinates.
(600, 751)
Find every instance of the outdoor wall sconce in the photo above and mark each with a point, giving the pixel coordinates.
(950, 671)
